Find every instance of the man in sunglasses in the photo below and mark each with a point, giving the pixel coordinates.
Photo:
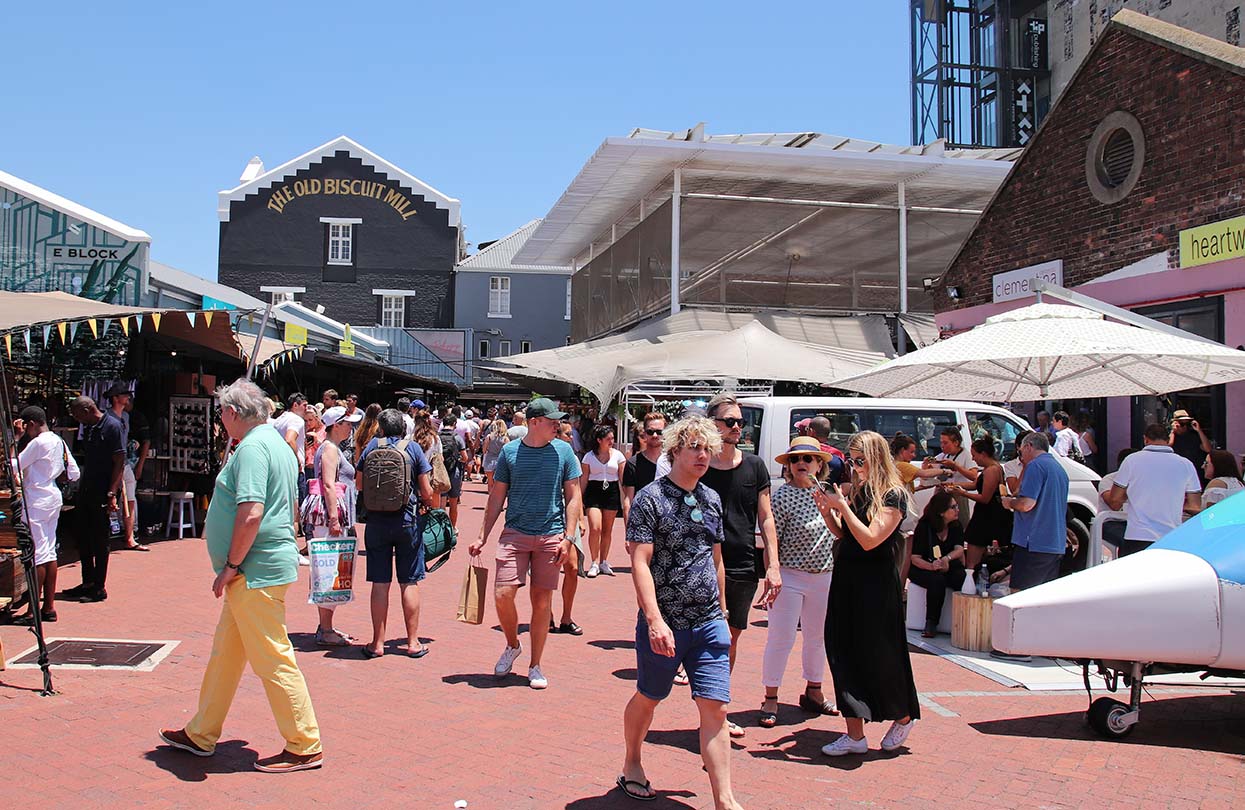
(742, 483)
(641, 469)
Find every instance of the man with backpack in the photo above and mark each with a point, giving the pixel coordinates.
(394, 478)
(454, 453)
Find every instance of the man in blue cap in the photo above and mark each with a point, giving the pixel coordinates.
(537, 479)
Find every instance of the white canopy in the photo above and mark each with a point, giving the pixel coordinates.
(1052, 351)
(749, 352)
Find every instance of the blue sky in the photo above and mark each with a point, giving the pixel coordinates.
(145, 114)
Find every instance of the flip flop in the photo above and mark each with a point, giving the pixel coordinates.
(138, 547)
(622, 783)
(735, 730)
(420, 653)
(368, 654)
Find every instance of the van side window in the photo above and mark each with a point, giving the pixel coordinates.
(843, 423)
(924, 426)
(751, 438)
(998, 427)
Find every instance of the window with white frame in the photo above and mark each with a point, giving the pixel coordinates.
(568, 299)
(525, 346)
(504, 348)
(499, 296)
(341, 243)
(393, 310)
(483, 349)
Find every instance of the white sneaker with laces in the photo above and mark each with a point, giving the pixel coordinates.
(846, 745)
(594, 570)
(303, 560)
(897, 735)
(506, 662)
(605, 569)
(536, 679)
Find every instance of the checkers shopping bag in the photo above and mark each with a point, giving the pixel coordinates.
(471, 602)
(332, 570)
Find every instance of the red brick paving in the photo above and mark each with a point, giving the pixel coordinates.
(427, 732)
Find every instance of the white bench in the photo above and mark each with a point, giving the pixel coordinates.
(916, 609)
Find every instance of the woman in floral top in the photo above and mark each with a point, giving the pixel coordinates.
(804, 554)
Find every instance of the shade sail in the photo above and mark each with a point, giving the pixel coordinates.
(24, 310)
(1052, 351)
(749, 352)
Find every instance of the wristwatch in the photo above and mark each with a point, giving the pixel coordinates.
(231, 565)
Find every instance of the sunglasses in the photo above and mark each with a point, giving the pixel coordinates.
(856, 461)
(653, 432)
(697, 515)
(802, 459)
(730, 421)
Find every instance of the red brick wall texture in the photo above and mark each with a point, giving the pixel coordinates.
(1194, 172)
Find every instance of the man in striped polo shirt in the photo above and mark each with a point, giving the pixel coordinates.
(537, 479)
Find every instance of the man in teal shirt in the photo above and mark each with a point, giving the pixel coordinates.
(250, 539)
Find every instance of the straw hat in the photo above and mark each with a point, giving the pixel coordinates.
(803, 445)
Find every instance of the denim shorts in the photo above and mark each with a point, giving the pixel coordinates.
(703, 651)
(386, 538)
(456, 483)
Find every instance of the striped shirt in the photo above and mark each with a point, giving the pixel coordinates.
(534, 477)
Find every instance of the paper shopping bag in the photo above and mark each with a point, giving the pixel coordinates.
(471, 602)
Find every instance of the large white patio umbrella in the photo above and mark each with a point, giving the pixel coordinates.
(1053, 351)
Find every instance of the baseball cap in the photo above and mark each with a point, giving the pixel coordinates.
(419, 403)
(543, 407)
(469, 413)
(333, 415)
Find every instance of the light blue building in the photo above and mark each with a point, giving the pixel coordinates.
(509, 308)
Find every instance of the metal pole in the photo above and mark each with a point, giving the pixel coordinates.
(903, 267)
(259, 338)
(1110, 311)
(920, 209)
(675, 202)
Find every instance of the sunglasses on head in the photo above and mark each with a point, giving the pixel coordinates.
(856, 461)
(803, 459)
(653, 431)
(729, 421)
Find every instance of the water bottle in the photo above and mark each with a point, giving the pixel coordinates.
(983, 580)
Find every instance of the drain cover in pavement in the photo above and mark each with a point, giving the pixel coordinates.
(99, 654)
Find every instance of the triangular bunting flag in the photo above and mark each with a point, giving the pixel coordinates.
(103, 330)
(125, 326)
(190, 316)
(47, 332)
(26, 335)
(94, 327)
(73, 330)
(207, 319)
(8, 345)
(155, 319)
(138, 323)
(60, 329)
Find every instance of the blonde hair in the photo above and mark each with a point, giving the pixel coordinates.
(691, 429)
(883, 474)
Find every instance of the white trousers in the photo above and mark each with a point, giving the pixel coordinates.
(802, 601)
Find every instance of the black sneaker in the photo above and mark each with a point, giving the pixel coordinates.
(94, 596)
(75, 592)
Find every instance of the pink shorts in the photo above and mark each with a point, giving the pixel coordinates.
(516, 553)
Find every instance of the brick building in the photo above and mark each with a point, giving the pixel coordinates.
(1126, 192)
(342, 228)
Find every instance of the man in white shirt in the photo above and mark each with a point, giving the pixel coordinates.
(41, 462)
(1065, 436)
(1155, 488)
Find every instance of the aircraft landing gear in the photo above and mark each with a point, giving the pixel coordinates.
(1108, 716)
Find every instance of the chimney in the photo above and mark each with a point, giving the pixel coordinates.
(254, 168)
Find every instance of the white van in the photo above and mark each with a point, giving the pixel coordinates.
(769, 425)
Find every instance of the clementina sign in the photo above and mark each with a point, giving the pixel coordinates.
(282, 195)
(1212, 243)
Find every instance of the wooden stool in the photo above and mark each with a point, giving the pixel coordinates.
(970, 622)
(180, 502)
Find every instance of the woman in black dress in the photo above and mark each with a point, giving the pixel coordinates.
(990, 523)
(865, 636)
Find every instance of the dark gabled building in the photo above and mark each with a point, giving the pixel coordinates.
(342, 228)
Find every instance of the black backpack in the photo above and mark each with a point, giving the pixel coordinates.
(387, 477)
(450, 452)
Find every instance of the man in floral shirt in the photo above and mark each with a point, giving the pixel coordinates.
(675, 532)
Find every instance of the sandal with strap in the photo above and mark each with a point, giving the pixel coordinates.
(825, 707)
(768, 719)
(624, 783)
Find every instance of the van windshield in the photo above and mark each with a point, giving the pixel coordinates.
(922, 425)
(751, 438)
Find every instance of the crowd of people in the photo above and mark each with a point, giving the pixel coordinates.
(829, 552)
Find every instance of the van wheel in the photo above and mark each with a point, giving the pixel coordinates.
(1078, 545)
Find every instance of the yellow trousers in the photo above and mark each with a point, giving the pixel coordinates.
(252, 630)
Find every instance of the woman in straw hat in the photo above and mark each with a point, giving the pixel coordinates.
(805, 558)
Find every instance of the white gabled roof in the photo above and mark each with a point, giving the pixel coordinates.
(500, 255)
(340, 144)
(81, 212)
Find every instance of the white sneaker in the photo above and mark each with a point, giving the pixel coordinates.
(605, 569)
(536, 679)
(506, 662)
(303, 560)
(846, 745)
(594, 570)
(897, 735)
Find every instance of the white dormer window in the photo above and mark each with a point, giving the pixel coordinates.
(499, 296)
(340, 247)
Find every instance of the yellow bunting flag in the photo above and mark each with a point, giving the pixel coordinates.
(94, 327)
(125, 326)
(155, 319)
(207, 319)
(8, 345)
(60, 329)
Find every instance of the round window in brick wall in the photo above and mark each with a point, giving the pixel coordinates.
(1115, 156)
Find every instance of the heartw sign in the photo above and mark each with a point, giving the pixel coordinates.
(281, 195)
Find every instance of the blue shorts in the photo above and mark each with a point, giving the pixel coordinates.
(456, 483)
(703, 651)
(386, 538)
